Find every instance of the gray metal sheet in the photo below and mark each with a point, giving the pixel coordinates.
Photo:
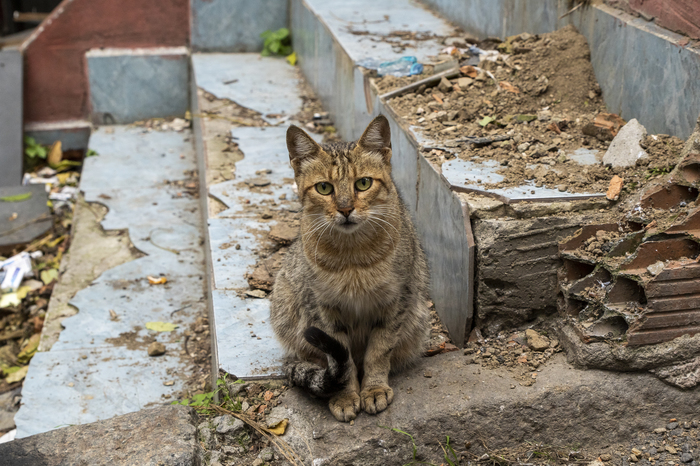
(267, 85)
(246, 343)
(465, 175)
(99, 367)
(374, 21)
(236, 316)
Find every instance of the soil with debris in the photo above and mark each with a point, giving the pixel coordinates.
(21, 324)
(521, 352)
(541, 98)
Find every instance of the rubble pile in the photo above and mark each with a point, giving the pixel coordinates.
(637, 281)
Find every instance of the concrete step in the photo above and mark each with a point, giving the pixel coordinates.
(239, 191)
(163, 436)
(98, 366)
(488, 408)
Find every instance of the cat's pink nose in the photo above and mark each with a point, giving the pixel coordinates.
(347, 211)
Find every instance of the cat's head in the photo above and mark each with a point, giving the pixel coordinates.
(346, 186)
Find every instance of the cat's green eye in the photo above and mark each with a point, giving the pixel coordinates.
(363, 184)
(324, 188)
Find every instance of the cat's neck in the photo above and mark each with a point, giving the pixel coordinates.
(334, 250)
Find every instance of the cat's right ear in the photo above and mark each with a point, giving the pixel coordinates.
(300, 146)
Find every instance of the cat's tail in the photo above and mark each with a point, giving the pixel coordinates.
(321, 381)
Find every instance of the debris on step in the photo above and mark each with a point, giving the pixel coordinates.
(545, 131)
(625, 149)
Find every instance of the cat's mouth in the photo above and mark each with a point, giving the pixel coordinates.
(348, 225)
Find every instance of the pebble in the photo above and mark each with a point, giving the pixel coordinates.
(671, 450)
(562, 187)
(686, 457)
(156, 349)
(266, 454)
(660, 430)
(445, 85)
(636, 452)
(536, 341)
(605, 457)
(633, 458)
(227, 424)
(671, 425)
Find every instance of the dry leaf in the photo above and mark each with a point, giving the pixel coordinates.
(55, 154)
(157, 281)
(509, 87)
(161, 326)
(17, 375)
(610, 121)
(268, 395)
(469, 71)
(280, 427)
(615, 188)
(113, 315)
(553, 126)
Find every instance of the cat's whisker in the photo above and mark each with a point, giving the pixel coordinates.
(387, 233)
(318, 241)
(317, 225)
(392, 226)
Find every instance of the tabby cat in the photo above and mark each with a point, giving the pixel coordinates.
(350, 301)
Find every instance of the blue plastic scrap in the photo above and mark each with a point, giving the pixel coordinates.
(404, 66)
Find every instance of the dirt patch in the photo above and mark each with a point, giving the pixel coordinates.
(521, 352)
(539, 103)
(132, 340)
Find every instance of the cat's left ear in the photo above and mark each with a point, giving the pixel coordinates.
(300, 146)
(377, 137)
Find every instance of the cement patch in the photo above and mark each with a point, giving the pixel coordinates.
(93, 251)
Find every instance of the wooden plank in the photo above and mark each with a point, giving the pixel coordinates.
(650, 337)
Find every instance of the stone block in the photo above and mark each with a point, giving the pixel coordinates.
(235, 25)
(160, 436)
(128, 85)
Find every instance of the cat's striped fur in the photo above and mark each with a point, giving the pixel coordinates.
(350, 302)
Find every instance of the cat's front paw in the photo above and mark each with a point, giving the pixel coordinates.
(345, 406)
(376, 399)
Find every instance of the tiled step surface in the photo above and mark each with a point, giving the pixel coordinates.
(245, 344)
(99, 367)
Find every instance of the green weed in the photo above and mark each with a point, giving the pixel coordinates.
(277, 42)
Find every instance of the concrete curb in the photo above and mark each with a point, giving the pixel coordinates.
(164, 436)
(593, 409)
